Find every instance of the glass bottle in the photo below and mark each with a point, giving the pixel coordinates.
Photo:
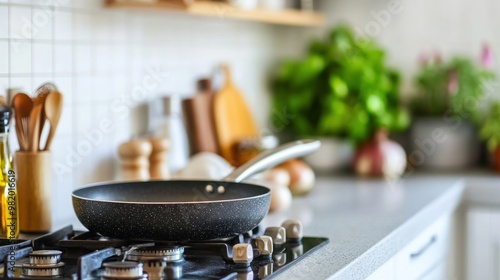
(8, 189)
(170, 125)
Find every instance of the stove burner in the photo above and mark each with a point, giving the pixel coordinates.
(45, 257)
(43, 270)
(123, 270)
(172, 272)
(166, 254)
(156, 259)
(44, 263)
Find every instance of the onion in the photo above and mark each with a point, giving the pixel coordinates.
(281, 198)
(279, 176)
(302, 177)
(380, 157)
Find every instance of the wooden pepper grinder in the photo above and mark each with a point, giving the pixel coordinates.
(158, 160)
(134, 156)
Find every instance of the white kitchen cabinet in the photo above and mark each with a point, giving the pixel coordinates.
(423, 258)
(438, 272)
(483, 243)
(386, 272)
(424, 252)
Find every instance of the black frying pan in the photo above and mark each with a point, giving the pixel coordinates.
(183, 210)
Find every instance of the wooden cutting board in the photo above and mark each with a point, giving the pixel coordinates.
(233, 121)
(199, 117)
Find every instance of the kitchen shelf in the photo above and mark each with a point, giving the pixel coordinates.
(223, 10)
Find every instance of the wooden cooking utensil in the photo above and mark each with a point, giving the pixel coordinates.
(41, 99)
(199, 119)
(233, 121)
(23, 105)
(34, 126)
(39, 96)
(53, 110)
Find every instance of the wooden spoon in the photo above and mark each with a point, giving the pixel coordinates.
(23, 105)
(53, 110)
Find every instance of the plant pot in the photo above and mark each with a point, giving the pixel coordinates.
(334, 155)
(447, 143)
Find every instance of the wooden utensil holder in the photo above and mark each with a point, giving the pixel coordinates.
(34, 185)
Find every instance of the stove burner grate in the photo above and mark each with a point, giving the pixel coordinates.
(166, 254)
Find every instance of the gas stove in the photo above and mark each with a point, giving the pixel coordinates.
(69, 254)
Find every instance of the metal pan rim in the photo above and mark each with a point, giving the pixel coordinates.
(267, 193)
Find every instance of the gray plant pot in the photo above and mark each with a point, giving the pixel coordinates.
(334, 155)
(448, 143)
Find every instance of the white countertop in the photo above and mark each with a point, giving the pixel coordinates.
(369, 221)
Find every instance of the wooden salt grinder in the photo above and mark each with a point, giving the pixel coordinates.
(134, 156)
(158, 160)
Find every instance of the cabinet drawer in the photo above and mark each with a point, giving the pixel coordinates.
(425, 251)
(437, 272)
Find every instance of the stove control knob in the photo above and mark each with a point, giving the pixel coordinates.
(245, 275)
(242, 253)
(294, 230)
(297, 251)
(264, 245)
(278, 234)
(279, 259)
(265, 270)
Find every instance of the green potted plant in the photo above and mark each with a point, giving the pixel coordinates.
(490, 131)
(342, 89)
(443, 134)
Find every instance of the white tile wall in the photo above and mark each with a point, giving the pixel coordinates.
(4, 58)
(4, 22)
(96, 56)
(20, 57)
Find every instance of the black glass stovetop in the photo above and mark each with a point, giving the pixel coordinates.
(83, 260)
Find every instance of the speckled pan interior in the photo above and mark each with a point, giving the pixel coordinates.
(171, 210)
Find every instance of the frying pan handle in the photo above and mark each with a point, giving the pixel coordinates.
(273, 157)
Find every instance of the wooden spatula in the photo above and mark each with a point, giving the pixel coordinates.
(34, 126)
(53, 110)
(233, 121)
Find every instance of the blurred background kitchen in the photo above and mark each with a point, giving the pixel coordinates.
(349, 72)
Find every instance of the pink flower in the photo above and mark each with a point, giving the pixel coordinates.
(453, 83)
(487, 59)
(423, 59)
(438, 58)
(430, 58)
